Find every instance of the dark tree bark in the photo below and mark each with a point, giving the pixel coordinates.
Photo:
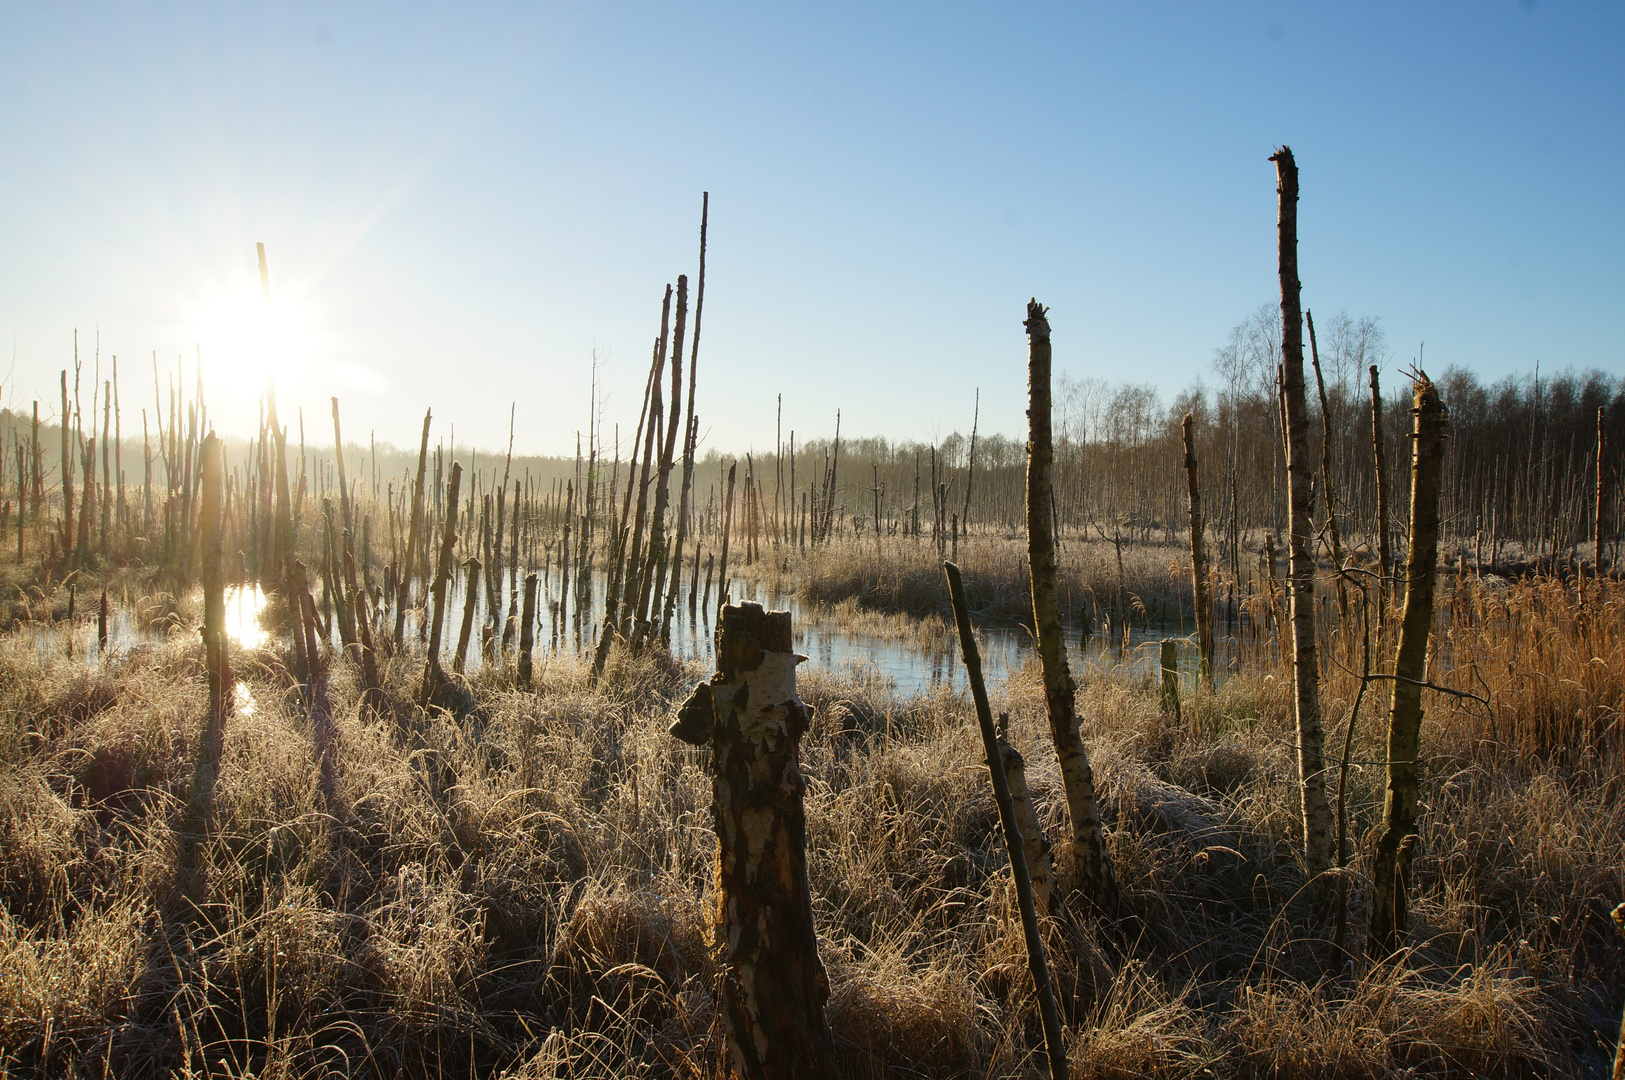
(1199, 589)
(1391, 862)
(433, 674)
(527, 632)
(1379, 464)
(404, 598)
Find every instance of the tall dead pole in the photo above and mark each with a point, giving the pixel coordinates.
(1396, 842)
(1326, 484)
(433, 674)
(1317, 812)
(1090, 857)
(1379, 465)
(409, 559)
(1602, 492)
(1199, 584)
(1000, 759)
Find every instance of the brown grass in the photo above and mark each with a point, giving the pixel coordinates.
(521, 890)
(903, 574)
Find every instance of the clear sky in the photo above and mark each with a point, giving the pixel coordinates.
(462, 202)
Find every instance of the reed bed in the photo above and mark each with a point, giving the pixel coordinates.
(518, 887)
(904, 574)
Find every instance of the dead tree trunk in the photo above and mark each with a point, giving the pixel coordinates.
(527, 632)
(433, 674)
(1602, 492)
(211, 526)
(373, 694)
(654, 573)
(727, 533)
(338, 459)
(471, 600)
(1378, 463)
(1317, 811)
(1199, 589)
(1090, 858)
(1002, 763)
(773, 985)
(1391, 862)
(404, 598)
(1326, 476)
(217, 671)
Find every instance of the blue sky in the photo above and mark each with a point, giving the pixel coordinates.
(460, 207)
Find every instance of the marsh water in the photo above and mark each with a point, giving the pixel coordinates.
(915, 656)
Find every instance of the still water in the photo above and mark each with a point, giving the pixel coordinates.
(915, 656)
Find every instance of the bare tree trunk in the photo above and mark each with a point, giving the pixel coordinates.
(1317, 811)
(404, 597)
(1002, 763)
(1170, 678)
(970, 472)
(338, 458)
(217, 671)
(727, 532)
(433, 674)
(654, 574)
(633, 581)
(373, 694)
(1326, 476)
(471, 600)
(67, 463)
(1391, 860)
(1199, 589)
(773, 985)
(1602, 492)
(527, 632)
(1091, 859)
(1379, 464)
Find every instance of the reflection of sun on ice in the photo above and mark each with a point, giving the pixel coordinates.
(246, 340)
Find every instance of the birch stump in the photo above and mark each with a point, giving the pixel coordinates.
(773, 985)
(1391, 863)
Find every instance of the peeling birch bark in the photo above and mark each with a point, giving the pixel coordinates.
(773, 985)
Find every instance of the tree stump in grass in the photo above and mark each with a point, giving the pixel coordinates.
(773, 985)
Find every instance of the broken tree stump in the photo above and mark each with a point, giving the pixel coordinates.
(773, 986)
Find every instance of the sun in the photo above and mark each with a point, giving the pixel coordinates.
(246, 340)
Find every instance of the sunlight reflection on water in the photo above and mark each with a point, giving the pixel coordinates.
(245, 605)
